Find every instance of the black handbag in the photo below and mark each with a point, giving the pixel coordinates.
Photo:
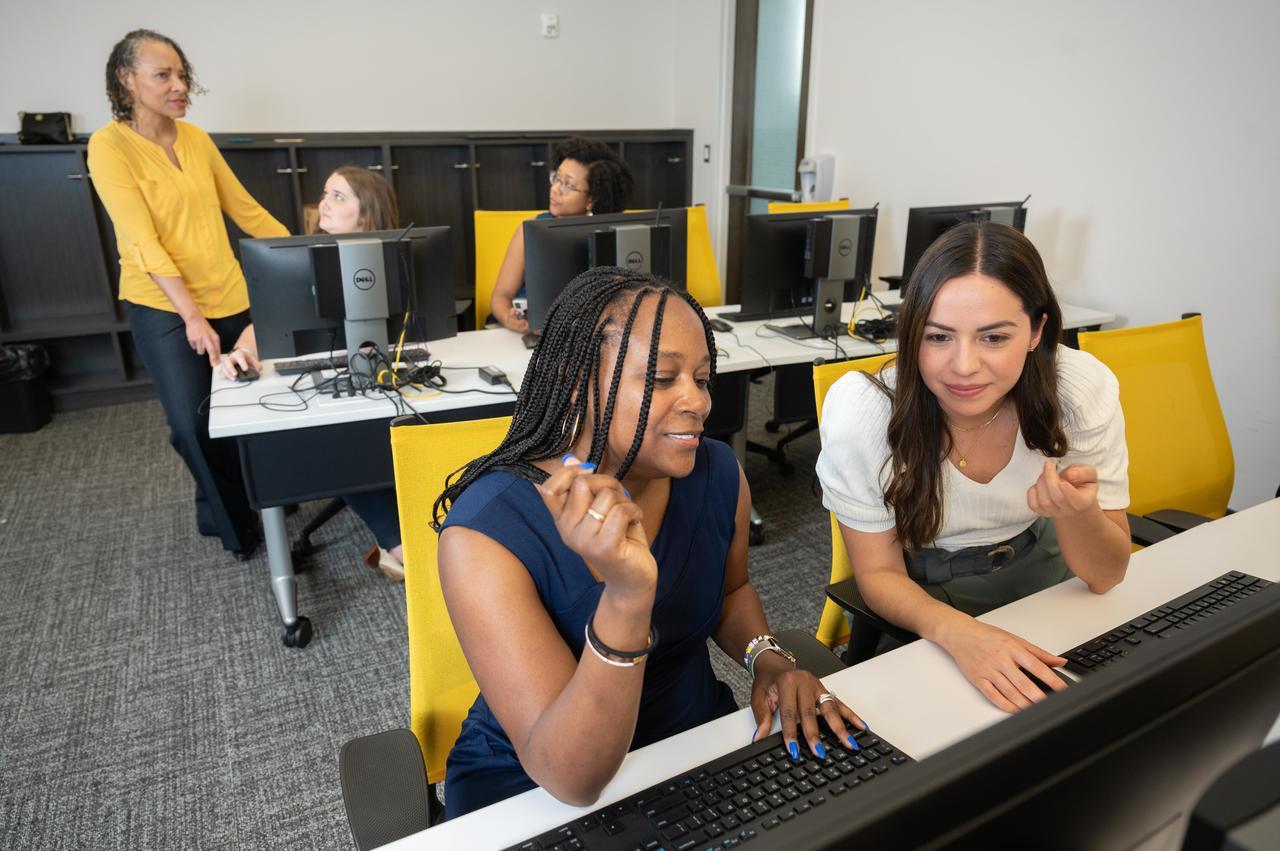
(45, 128)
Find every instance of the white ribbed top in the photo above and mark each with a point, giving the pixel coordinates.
(853, 465)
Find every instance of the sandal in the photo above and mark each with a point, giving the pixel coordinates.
(380, 559)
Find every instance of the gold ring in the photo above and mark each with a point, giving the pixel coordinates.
(824, 697)
(595, 515)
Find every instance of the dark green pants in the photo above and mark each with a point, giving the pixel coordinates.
(1037, 568)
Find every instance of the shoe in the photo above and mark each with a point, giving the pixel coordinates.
(380, 559)
(250, 539)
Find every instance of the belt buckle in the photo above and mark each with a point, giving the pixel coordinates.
(1000, 556)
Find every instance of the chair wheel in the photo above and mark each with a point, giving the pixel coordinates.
(298, 634)
(772, 426)
(302, 548)
(755, 534)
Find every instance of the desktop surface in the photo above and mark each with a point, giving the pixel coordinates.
(914, 696)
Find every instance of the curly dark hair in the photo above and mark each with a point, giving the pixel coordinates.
(609, 180)
(124, 57)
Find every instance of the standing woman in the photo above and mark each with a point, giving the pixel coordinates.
(987, 463)
(587, 177)
(355, 200)
(166, 187)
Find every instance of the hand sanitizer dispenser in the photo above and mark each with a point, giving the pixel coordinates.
(817, 177)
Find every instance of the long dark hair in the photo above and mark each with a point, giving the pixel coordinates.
(124, 57)
(609, 180)
(551, 410)
(919, 440)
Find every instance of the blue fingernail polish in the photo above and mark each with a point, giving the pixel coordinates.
(853, 743)
(587, 465)
(567, 457)
(753, 736)
(626, 493)
(820, 750)
(794, 749)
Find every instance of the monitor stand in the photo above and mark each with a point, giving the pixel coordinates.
(827, 295)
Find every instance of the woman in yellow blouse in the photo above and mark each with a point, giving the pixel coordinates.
(166, 186)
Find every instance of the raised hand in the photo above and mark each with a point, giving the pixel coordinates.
(1065, 494)
(597, 520)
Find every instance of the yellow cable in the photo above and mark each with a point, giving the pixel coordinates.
(853, 317)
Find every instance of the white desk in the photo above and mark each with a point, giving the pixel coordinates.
(914, 696)
(237, 410)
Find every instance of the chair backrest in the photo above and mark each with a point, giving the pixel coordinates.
(441, 687)
(833, 629)
(494, 229)
(701, 273)
(808, 206)
(1179, 450)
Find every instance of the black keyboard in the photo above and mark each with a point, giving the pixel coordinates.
(1178, 614)
(730, 800)
(298, 366)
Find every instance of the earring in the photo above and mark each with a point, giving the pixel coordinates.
(1030, 350)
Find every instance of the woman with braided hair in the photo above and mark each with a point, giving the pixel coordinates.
(613, 537)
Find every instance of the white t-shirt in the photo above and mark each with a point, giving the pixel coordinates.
(854, 471)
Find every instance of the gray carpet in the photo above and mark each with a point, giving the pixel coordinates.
(145, 696)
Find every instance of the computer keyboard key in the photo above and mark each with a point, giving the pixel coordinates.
(770, 824)
(837, 789)
(1158, 626)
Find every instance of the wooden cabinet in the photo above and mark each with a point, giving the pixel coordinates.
(434, 186)
(59, 271)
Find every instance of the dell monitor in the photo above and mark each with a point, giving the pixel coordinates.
(558, 250)
(1116, 761)
(318, 293)
(798, 264)
(925, 224)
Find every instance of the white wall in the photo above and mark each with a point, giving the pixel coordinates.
(386, 65)
(1148, 133)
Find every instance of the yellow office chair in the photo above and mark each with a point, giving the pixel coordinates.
(494, 229)
(808, 206)
(833, 628)
(387, 793)
(1181, 469)
(701, 273)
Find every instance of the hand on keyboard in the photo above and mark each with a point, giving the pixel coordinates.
(797, 695)
(994, 660)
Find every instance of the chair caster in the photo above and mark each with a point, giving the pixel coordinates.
(298, 634)
(772, 426)
(755, 534)
(301, 549)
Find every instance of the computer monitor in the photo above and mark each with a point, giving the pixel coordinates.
(301, 303)
(787, 254)
(557, 250)
(1116, 759)
(925, 224)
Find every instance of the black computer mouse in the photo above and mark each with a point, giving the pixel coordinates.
(246, 374)
(719, 325)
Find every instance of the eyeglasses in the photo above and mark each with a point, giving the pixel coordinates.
(555, 179)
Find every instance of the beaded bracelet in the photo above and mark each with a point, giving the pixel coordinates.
(604, 651)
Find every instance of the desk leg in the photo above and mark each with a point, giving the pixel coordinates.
(297, 629)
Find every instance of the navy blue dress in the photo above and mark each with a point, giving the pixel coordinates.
(680, 690)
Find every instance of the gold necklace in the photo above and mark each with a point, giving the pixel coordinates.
(961, 462)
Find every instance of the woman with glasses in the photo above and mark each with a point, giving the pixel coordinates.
(587, 177)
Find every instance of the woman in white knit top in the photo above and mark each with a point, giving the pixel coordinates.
(997, 469)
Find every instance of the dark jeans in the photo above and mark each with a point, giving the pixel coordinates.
(378, 511)
(182, 380)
